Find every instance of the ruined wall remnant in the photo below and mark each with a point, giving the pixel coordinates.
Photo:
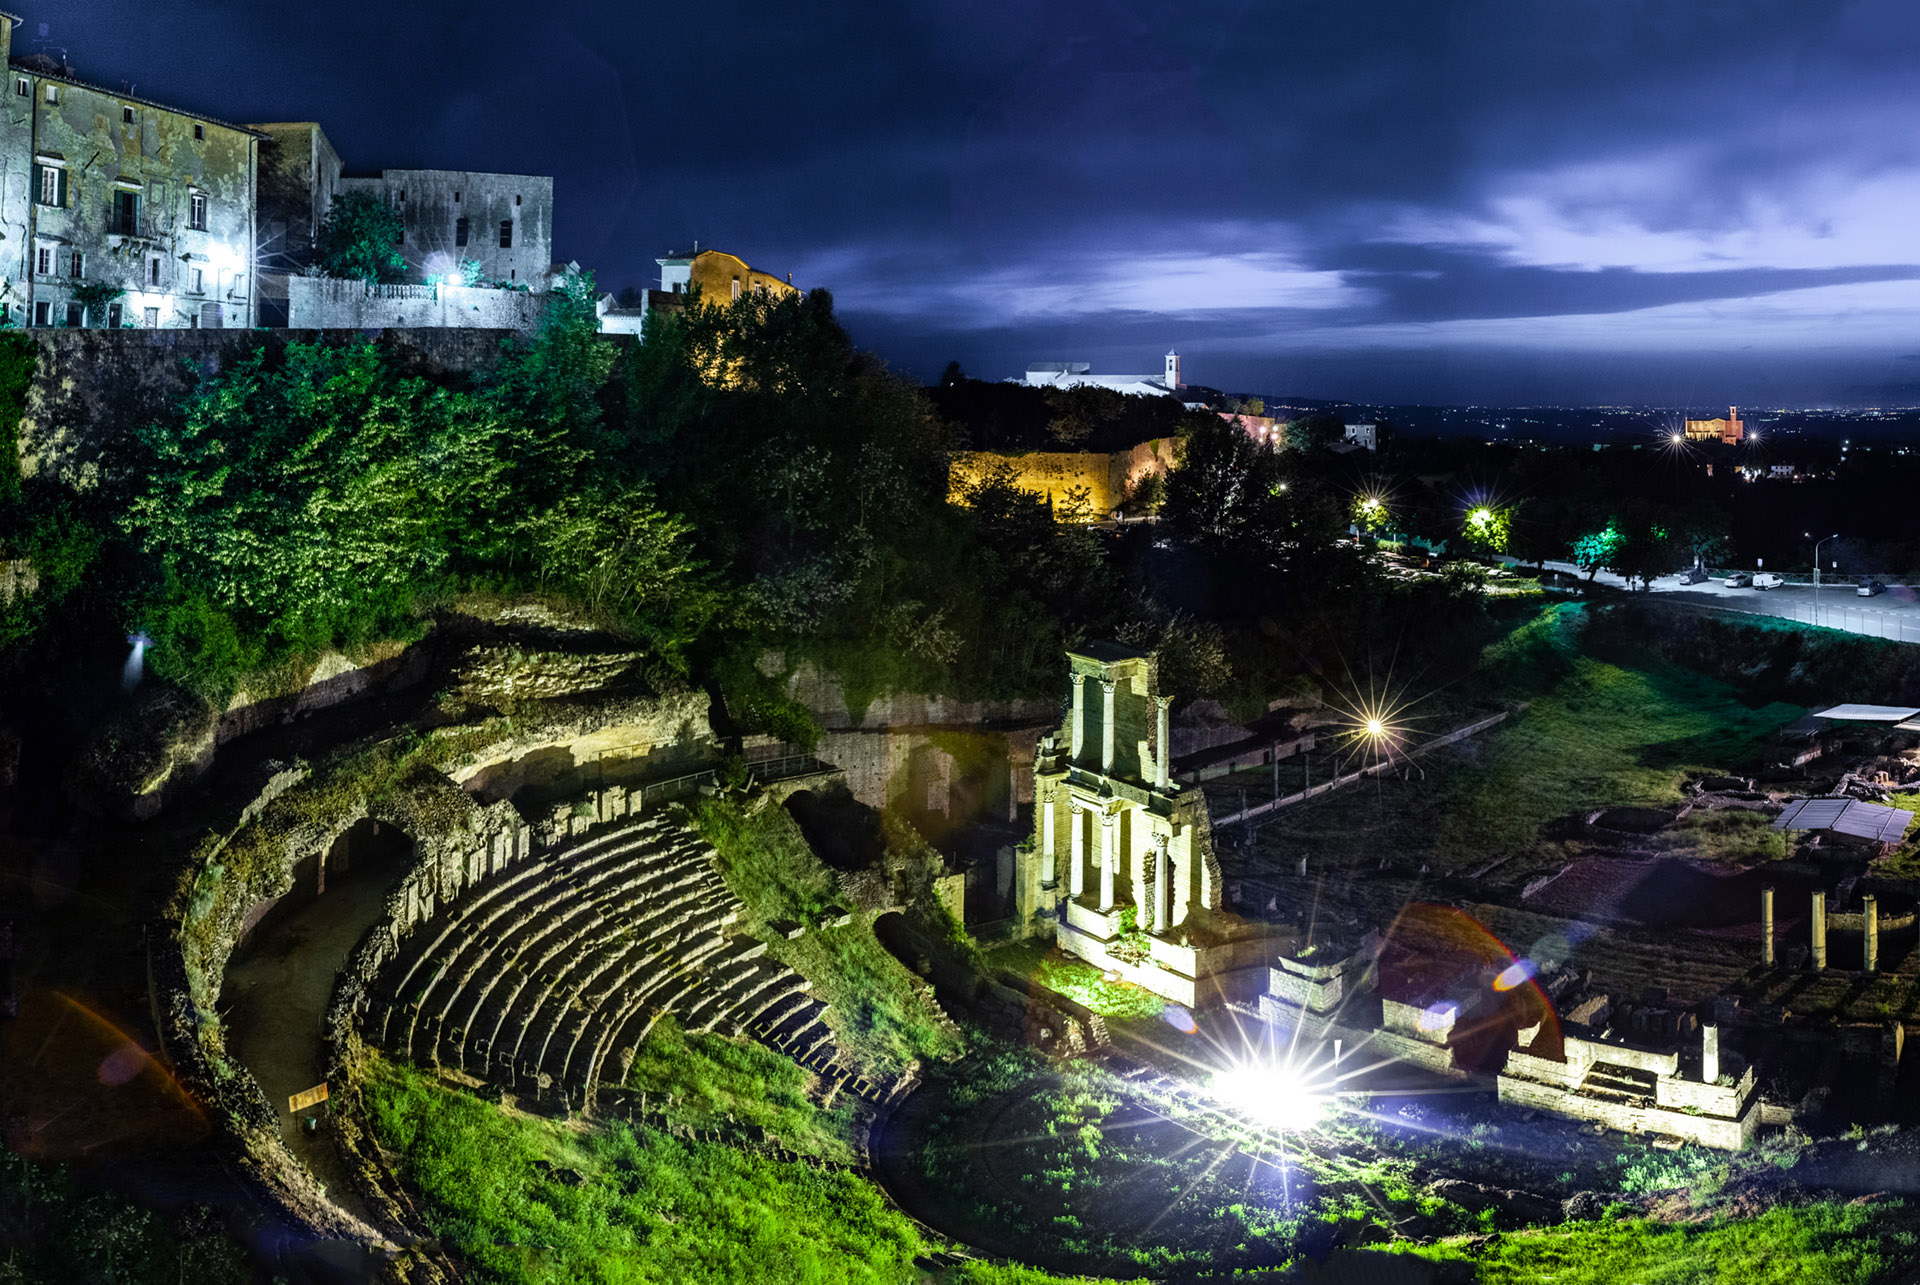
(1106, 477)
(327, 303)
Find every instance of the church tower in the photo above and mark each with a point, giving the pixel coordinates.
(1173, 372)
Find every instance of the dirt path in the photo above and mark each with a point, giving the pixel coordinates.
(279, 990)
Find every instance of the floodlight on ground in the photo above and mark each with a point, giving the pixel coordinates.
(1271, 1094)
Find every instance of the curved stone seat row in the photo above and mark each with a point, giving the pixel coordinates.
(539, 979)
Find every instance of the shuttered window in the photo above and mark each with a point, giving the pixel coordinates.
(50, 185)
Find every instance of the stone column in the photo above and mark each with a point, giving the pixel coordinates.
(1079, 717)
(1871, 907)
(1163, 773)
(1109, 857)
(1162, 883)
(1107, 686)
(1766, 927)
(1819, 922)
(1077, 861)
(1709, 1054)
(1044, 801)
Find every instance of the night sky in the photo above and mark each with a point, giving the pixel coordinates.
(1671, 201)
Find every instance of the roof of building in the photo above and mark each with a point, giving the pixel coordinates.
(47, 69)
(1867, 713)
(1846, 816)
(1059, 367)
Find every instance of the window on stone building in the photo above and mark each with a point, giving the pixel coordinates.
(736, 287)
(506, 234)
(42, 313)
(456, 198)
(150, 318)
(199, 133)
(126, 213)
(23, 87)
(237, 288)
(43, 261)
(460, 231)
(197, 280)
(113, 316)
(126, 115)
(516, 200)
(197, 211)
(53, 93)
(53, 185)
(79, 264)
(76, 316)
(153, 270)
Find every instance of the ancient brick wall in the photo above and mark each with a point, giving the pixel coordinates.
(1052, 474)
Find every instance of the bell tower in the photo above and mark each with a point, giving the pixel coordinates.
(1173, 372)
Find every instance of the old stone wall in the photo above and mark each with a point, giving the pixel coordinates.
(1105, 477)
(93, 388)
(324, 303)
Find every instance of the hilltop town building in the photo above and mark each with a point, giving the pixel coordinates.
(1121, 869)
(1729, 431)
(504, 222)
(718, 276)
(1079, 374)
(117, 210)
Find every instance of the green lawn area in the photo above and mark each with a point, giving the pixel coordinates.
(1595, 733)
(1076, 979)
(880, 1016)
(645, 1207)
(701, 1078)
(1818, 1244)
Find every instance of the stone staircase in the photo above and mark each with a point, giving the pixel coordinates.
(538, 979)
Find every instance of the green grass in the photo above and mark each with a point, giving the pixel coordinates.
(1076, 979)
(701, 1078)
(1595, 733)
(648, 1207)
(1819, 1244)
(881, 1018)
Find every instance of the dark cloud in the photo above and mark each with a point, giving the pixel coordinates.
(1460, 196)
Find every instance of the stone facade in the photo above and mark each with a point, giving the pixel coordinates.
(1121, 868)
(502, 221)
(106, 190)
(718, 276)
(299, 175)
(1106, 477)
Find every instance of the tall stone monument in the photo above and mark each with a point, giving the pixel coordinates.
(1120, 869)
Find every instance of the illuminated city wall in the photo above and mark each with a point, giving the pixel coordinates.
(1053, 474)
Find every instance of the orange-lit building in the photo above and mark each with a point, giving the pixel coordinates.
(1729, 431)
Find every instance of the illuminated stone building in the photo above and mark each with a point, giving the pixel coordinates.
(1121, 869)
(1729, 431)
(718, 276)
(1079, 374)
(107, 191)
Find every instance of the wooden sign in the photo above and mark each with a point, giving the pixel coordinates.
(310, 1098)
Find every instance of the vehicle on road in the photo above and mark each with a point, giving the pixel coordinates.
(1867, 588)
(1738, 580)
(1768, 580)
(1693, 575)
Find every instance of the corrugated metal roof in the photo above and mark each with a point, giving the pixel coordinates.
(1846, 816)
(1868, 713)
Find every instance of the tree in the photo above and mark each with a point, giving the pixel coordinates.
(1312, 432)
(1488, 527)
(360, 239)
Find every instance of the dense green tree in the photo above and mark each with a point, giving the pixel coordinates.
(360, 239)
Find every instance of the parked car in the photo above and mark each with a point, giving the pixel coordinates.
(1768, 580)
(1868, 588)
(1738, 580)
(1693, 575)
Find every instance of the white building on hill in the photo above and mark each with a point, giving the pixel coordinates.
(1078, 374)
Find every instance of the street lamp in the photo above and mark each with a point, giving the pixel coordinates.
(1816, 574)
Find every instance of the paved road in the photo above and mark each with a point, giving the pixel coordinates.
(1894, 614)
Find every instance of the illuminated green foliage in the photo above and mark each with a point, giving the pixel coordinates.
(1488, 527)
(360, 239)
